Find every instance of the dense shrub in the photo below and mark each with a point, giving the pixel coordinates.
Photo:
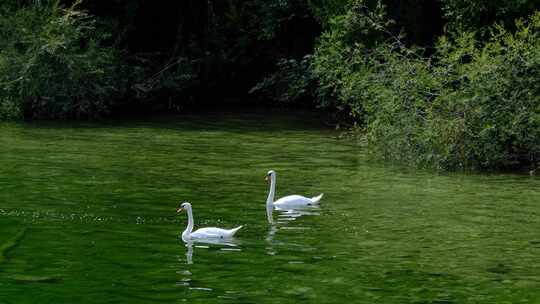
(471, 104)
(52, 64)
(487, 112)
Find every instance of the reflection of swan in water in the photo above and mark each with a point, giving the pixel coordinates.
(186, 273)
(285, 214)
(274, 244)
(270, 239)
(291, 214)
(289, 202)
(189, 253)
(204, 244)
(271, 233)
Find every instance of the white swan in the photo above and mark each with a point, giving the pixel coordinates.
(287, 202)
(203, 233)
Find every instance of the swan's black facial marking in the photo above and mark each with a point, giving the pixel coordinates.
(270, 175)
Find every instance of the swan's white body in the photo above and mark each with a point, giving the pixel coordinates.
(203, 233)
(287, 202)
(296, 201)
(212, 232)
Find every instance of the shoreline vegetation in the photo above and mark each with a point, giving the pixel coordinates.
(447, 84)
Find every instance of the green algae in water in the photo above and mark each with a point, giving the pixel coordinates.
(10, 245)
(100, 200)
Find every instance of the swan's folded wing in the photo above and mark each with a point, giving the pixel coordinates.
(293, 200)
(209, 232)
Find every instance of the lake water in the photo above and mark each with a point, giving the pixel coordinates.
(88, 215)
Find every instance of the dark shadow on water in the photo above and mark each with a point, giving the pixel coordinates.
(241, 120)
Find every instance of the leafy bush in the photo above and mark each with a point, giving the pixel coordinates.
(343, 62)
(472, 104)
(52, 64)
(487, 113)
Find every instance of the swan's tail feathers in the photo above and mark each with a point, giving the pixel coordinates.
(234, 230)
(316, 199)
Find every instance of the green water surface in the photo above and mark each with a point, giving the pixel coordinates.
(87, 215)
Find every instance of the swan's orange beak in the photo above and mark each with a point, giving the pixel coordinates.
(179, 210)
(267, 178)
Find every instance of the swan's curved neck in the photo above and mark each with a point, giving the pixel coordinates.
(189, 227)
(270, 199)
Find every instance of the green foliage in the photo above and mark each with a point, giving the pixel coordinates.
(324, 10)
(471, 104)
(487, 113)
(293, 81)
(343, 61)
(479, 15)
(52, 64)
